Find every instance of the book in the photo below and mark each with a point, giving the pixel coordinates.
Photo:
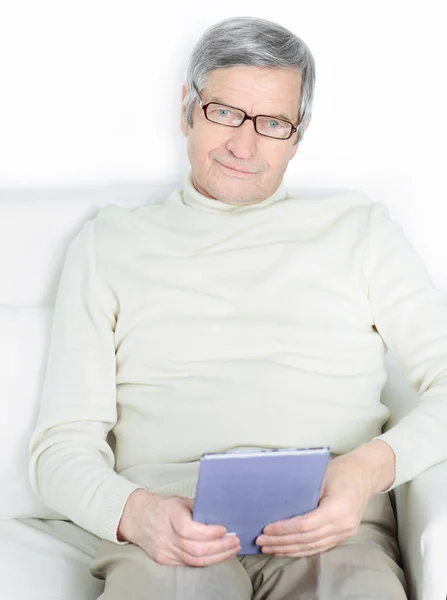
(246, 490)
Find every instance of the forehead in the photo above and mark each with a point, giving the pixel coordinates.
(257, 90)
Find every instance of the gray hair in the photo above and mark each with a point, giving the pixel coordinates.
(242, 41)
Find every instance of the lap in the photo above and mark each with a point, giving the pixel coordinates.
(366, 566)
(130, 573)
(362, 568)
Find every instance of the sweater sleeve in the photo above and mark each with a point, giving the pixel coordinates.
(410, 314)
(71, 464)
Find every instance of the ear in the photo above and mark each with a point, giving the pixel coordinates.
(295, 147)
(183, 122)
(293, 150)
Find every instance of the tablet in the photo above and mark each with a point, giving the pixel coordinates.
(246, 490)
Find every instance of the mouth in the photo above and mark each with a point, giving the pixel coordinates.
(234, 171)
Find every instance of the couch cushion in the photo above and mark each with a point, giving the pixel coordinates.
(46, 560)
(23, 351)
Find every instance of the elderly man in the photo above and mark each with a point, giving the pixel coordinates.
(231, 317)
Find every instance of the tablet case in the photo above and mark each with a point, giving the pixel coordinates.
(245, 491)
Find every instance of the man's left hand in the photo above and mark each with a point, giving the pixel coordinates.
(350, 481)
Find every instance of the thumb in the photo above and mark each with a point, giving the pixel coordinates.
(189, 503)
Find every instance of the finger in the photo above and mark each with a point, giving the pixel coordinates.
(299, 524)
(200, 532)
(208, 548)
(189, 502)
(208, 559)
(301, 550)
(311, 521)
(186, 528)
(310, 537)
(174, 556)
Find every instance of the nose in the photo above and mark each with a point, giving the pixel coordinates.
(242, 141)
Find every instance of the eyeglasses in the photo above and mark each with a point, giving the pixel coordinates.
(278, 129)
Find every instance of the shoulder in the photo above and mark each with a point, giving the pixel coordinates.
(336, 199)
(116, 217)
(113, 216)
(330, 207)
(115, 223)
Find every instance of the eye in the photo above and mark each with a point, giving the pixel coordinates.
(278, 125)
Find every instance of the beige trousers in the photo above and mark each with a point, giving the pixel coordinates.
(367, 566)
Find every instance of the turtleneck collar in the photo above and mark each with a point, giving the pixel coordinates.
(193, 198)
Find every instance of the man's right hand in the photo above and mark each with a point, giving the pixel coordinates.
(163, 527)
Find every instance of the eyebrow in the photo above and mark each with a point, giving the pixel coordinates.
(279, 116)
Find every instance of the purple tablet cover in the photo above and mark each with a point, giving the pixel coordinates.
(246, 490)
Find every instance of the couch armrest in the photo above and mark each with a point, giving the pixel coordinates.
(421, 508)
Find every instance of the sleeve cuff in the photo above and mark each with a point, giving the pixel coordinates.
(115, 509)
(407, 464)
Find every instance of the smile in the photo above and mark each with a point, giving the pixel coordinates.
(234, 171)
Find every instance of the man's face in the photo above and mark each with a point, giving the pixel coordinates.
(258, 91)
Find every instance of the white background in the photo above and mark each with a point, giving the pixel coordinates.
(90, 94)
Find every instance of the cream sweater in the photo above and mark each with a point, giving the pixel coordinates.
(195, 326)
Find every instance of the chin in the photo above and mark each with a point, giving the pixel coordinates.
(230, 195)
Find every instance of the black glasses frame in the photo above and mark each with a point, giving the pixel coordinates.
(247, 118)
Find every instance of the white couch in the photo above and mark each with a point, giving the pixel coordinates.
(36, 562)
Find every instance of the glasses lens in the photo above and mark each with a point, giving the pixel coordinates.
(232, 117)
(225, 115)
(273, 127)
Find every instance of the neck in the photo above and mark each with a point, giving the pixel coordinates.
(196, 199)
